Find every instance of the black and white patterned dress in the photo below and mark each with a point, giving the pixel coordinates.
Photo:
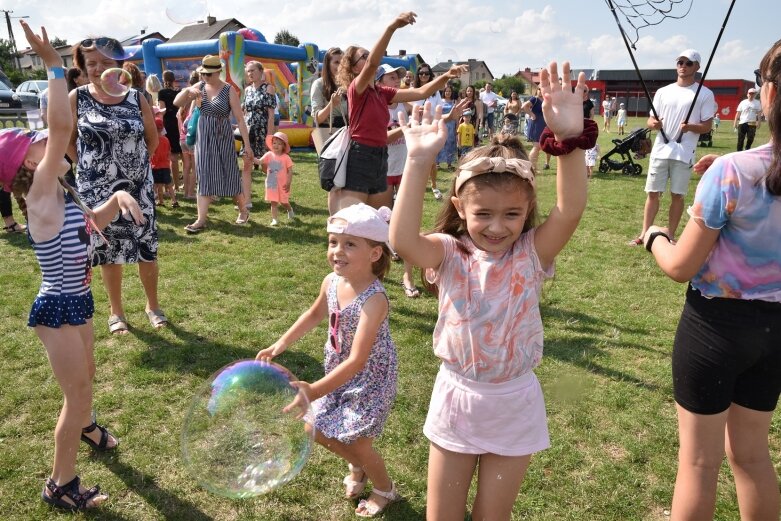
(216, 166)
(256, 105)
(112, 156)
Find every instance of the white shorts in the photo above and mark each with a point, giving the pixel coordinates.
(471, 417)
(660, 170)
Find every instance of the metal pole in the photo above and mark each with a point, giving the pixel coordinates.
(625, 38)
(17, 62)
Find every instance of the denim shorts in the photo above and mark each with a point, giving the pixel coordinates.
(727, 351)
(367, 169)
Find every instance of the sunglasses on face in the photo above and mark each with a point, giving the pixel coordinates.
(688, 63)
(761, 79)
(363, 56)
(424, 73)
(206, 74)
(333, 331)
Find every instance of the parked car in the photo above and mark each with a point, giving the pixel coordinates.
(8, 98)
(30, 91)
(4, 80)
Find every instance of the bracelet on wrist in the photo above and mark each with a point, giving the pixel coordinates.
(652, 238)
(55, 73)
(585, 141)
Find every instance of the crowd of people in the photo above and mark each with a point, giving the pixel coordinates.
(487, 414)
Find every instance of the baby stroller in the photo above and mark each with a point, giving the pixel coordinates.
(624, 148)
(706, 139)
(510, 124)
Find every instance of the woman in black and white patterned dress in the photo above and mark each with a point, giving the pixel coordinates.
(114, 138)
(215, 156)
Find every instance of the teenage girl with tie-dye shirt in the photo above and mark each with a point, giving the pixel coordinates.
(727, 350)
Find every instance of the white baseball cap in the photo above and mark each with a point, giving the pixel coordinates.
(690, 54)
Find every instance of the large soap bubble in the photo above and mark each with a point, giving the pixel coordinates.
(236, 440)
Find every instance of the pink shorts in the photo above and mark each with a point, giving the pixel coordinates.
(471, 417)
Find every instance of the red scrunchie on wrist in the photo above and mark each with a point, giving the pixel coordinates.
(585, 141)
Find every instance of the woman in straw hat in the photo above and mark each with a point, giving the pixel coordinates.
(215, 158)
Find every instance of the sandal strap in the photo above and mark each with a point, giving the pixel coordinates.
(71, 491)
(391, 495)
(103, 434)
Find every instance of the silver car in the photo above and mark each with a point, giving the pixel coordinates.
(30, 93)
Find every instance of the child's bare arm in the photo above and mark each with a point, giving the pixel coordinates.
(308, 320)
(374, 311)
(563, 111)
(120, 201)
(425, 139)
(366, 76)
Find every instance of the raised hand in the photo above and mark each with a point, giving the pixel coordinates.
(404, 19)
(425, 134)
(562, 108)
(41, 46)
(456, 71)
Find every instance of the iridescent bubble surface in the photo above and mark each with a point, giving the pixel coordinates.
(236, 440)
(115, 81)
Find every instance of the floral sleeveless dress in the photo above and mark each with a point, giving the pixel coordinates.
(112, 156)
(360, 407)
(256, 105)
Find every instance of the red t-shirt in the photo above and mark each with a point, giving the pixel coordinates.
(372, 106)
(162, 157)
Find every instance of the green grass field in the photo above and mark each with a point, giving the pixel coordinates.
(609, 315)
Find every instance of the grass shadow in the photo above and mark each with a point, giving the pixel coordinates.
(170, 506)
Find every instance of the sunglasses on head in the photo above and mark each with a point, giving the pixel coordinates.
(333, 331)
(688, 63)
(109, 47)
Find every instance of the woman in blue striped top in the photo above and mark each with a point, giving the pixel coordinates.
(60, 230)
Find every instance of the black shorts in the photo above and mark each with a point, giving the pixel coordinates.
(161, 176)
(727, 351)
(367, 169)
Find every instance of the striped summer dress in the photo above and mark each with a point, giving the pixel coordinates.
(216, 166)
(66, 266)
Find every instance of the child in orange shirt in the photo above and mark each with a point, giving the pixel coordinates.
(279, 174)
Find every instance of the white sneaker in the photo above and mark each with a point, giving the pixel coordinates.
(274, 222)
(291, 214)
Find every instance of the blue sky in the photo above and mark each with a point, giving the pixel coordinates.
(507, 35)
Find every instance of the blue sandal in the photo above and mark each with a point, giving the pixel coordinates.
(102, 445)
(71, 491)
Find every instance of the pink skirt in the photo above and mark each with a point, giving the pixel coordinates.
(472, 417)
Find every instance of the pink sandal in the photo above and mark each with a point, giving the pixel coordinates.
(352, 488)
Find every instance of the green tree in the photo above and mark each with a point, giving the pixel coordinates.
(285, 37)
(506, 84)
(58, 42)
(6, 56)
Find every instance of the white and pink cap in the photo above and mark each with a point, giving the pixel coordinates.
(361, 220)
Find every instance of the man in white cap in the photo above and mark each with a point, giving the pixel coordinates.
(673, 153)
(747, 119)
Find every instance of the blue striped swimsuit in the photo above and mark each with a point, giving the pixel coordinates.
(66, 265)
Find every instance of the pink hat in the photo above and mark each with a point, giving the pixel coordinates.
(14, 144)
(278, 135)
(361, 220)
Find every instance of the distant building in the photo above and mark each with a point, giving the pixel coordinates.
(139, 38)
(478, 71)
(626, 87)
(29, 61)
(211, 29)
